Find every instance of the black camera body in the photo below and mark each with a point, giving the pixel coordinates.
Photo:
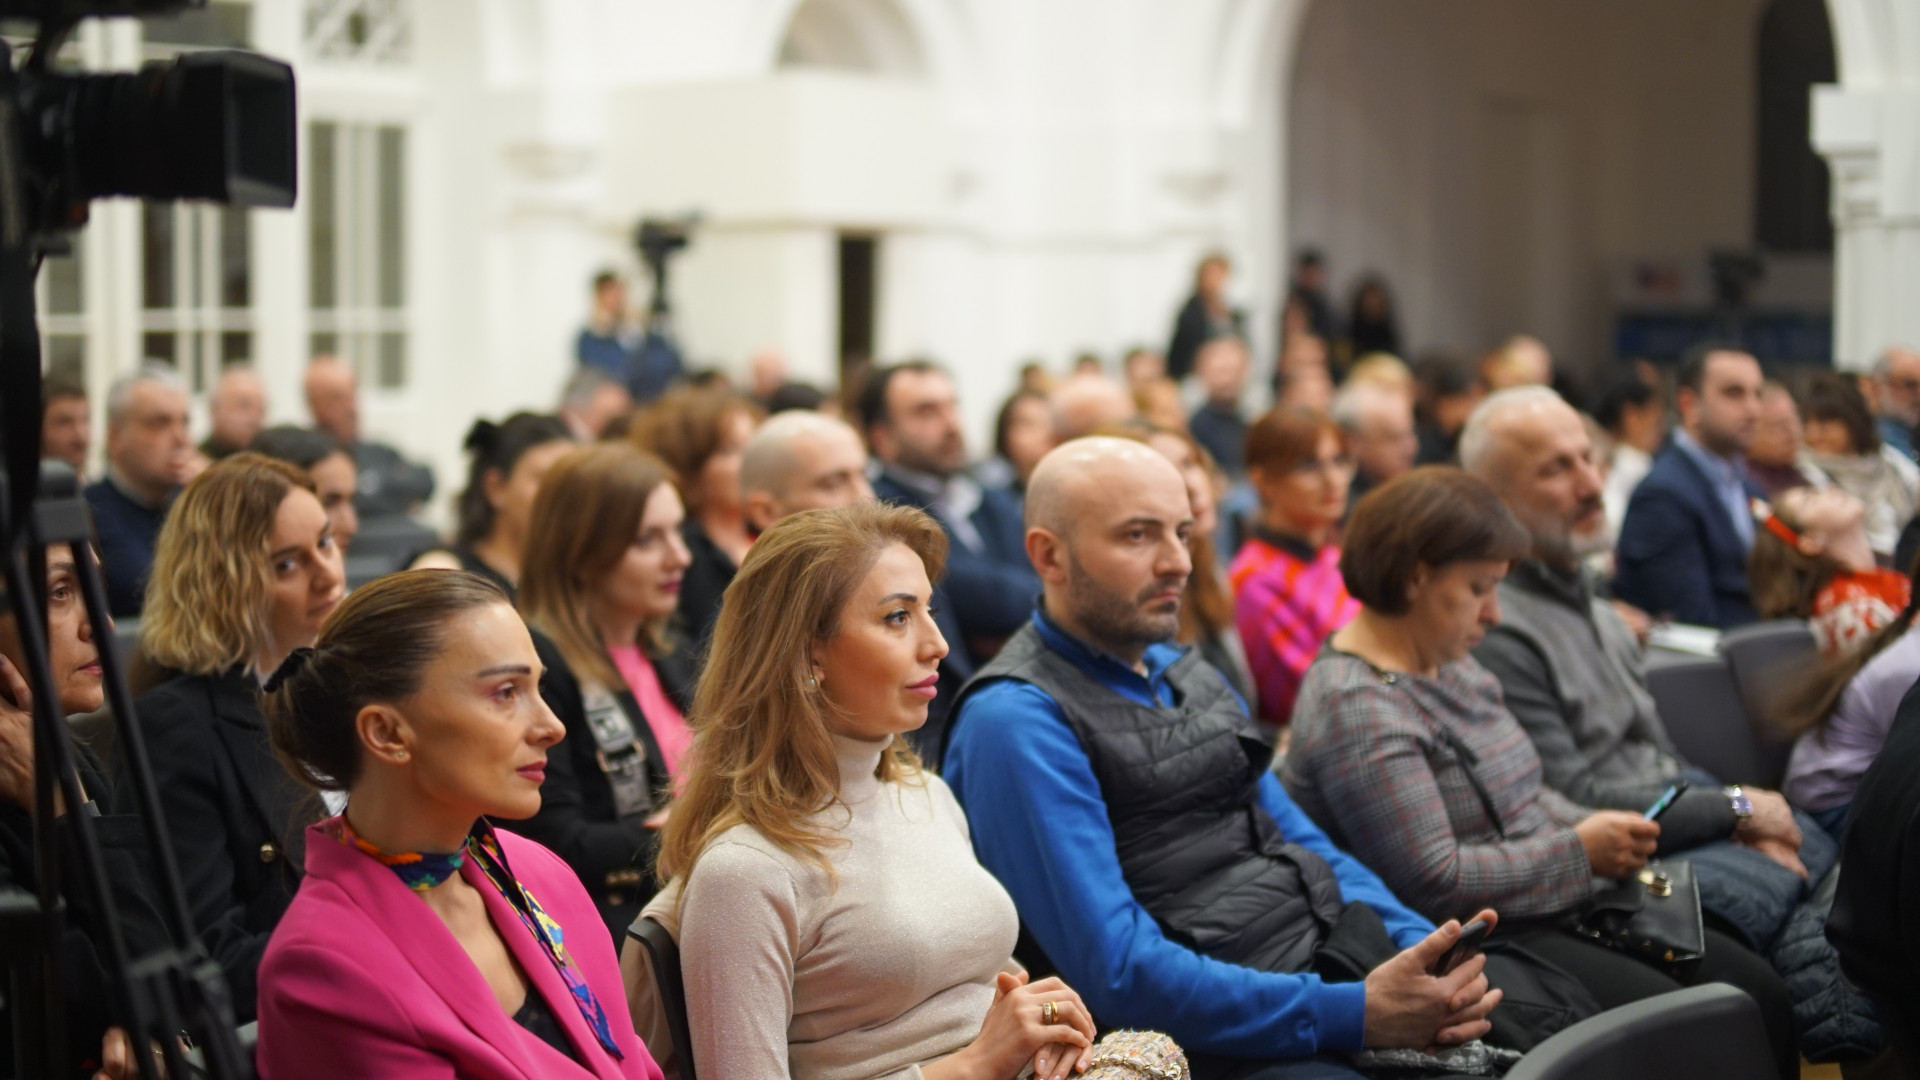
(215, 125)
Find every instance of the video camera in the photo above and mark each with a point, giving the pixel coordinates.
(217, 125)
(212, 125)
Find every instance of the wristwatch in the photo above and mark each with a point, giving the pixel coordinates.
(1742, 806)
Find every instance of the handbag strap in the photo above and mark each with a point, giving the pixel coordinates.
(1468, 759)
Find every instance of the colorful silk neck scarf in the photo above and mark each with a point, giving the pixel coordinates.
(484, 846)
(421, 872)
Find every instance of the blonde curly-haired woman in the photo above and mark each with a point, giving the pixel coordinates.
(245, 570)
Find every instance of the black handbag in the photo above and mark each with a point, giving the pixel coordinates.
(1654, 915)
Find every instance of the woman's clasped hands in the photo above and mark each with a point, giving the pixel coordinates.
(1045, 1023)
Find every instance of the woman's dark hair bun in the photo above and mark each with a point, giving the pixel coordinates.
(481, 438)
(374, 649)
(291, 666)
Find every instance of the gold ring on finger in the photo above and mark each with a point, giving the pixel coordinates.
(1049, 1013)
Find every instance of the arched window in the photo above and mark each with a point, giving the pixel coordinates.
(1791, 204)
(871, 37)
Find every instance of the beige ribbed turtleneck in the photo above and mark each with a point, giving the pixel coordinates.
(787, 975)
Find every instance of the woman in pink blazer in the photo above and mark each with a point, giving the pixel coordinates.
(422, 943)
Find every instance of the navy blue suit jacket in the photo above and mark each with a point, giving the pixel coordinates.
(991, 590)
(127, 533)
(1678, 553)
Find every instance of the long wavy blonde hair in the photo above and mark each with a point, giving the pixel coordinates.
(208, 596)
(762, 753)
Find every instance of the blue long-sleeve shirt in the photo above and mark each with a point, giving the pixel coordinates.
(1040, 825)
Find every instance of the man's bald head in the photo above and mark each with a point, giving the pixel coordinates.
(1533, 448)
(1079, 475)
(237, 407)
(801, 460)
(1085, 403)
(1500, 428)
(333, 398)
(1107, 524)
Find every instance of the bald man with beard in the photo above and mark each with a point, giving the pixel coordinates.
(1113, 784)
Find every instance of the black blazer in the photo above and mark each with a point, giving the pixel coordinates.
(1678, 553)
(85, 980)
(236, 817)
(577, 819)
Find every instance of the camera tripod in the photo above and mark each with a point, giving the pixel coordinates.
(168, 131)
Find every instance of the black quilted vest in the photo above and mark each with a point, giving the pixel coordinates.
(1180, 784)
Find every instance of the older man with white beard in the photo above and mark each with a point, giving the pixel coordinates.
(1573, 674)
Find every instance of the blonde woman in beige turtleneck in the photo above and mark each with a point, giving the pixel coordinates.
(832, 920)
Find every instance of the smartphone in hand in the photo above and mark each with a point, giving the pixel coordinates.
(1464, 948)
(1666, 800)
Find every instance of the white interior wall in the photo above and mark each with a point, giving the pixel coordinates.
(1047, 181)
(1498, 160)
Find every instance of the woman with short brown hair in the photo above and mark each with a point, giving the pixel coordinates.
(1404, 751)
(1287, 589)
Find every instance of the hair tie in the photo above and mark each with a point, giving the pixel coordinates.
(291, 666)
(1769, 519)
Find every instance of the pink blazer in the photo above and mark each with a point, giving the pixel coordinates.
(363, 980)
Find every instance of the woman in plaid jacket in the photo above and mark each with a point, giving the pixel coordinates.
(1404, 751)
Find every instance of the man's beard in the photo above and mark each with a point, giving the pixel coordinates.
(1556, 544)
(943, 459)
(1121, 622)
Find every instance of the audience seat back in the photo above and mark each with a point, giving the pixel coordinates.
(1710, 1032)
(1699, 702)
(383, 545)
(1768, 660)
(658, 958)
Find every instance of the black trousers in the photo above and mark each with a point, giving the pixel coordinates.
(1614, 978)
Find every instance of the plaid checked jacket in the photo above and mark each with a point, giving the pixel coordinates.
(1402, 770)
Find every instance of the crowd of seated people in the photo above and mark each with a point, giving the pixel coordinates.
(1169, 716)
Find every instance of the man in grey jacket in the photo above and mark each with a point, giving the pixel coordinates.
(1574, 676)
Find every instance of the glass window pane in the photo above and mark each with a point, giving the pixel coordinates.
(62, 275)
(236, 268)
(236, 347)
(157, 347)
(68, 353)
(392, 225)
(392, 370)
(218, 25)
(156, 229)
(322, 212)
(326, 343)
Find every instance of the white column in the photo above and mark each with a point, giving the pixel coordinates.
(1869, 129)
(1871, 139)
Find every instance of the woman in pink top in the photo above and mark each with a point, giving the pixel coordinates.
(599, 586)
(422, 942)
(1288, 594)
